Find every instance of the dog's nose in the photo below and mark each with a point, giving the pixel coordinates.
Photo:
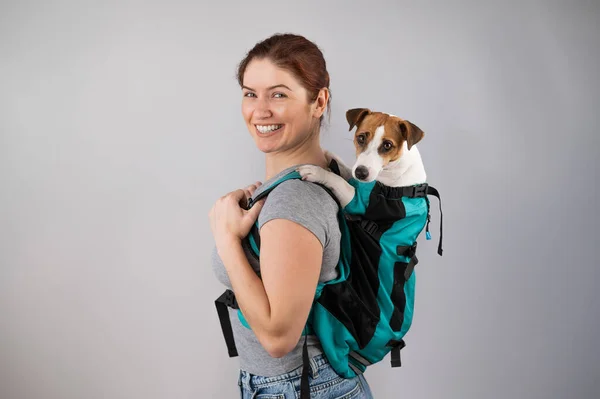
(361, 172)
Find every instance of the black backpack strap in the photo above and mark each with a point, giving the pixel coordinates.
(334, 167)
(227, 299)
(411, 253)
(417, 191)
(304, 382)
(395, 353)
(435, 193)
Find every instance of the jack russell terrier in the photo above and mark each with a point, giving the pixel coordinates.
(386, 151)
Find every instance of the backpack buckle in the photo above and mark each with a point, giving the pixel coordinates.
(419, 191)
(228, 299)
(408, 251)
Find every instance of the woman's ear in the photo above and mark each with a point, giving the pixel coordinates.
(321, 102)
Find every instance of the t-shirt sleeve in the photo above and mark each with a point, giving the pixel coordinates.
(304, 203)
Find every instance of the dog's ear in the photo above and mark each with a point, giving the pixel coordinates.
(411, 133)
(355, 115)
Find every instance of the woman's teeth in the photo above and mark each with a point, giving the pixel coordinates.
(267, 128)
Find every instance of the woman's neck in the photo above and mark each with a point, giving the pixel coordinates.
(308, 154)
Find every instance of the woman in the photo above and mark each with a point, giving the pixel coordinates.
(285, 88)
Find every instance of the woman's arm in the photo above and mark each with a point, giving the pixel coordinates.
(277, 306)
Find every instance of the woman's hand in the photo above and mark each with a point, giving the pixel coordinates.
(229, 221)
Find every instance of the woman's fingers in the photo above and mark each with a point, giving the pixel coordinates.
(252, 188)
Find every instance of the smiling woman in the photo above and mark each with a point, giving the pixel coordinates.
(281, 96)
(279, 116)
(285, 94)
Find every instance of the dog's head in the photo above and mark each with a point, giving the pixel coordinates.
(379, 139)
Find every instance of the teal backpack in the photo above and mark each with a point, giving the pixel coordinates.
(365, 312)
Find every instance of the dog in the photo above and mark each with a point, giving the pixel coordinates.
(386, 151)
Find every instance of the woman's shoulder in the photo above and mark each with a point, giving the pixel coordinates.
(302, 202)
(304, 195)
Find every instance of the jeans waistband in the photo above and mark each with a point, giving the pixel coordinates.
(252, 381)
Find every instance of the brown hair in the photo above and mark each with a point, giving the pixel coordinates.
(296, 54)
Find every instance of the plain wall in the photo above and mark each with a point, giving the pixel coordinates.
(120, 125)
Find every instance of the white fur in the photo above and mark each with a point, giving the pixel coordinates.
(370, 158)
(406, 170)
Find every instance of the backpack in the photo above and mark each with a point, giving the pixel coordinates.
(365, 312)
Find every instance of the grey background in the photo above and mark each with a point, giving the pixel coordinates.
(120, 125)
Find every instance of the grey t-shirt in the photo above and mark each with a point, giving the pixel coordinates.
(312, 207)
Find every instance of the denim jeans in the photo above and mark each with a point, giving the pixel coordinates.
(325, 383)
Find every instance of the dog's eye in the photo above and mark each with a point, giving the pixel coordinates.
(388, 145)
(360, 139)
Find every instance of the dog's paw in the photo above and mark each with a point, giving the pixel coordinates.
(313, 173)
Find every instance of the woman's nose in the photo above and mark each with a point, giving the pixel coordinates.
(263, 109)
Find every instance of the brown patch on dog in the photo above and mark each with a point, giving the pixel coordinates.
(355, 116)
(410, 132)
(367, 123)
(396, 132)
(391, 134)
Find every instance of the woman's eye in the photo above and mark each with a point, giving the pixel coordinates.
(249, 94)
(279, 95)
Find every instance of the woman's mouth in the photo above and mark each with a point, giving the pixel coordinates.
(268, 129)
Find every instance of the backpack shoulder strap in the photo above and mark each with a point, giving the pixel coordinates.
(266, 191)
(254, 233)
(253, 238)
(293, 175)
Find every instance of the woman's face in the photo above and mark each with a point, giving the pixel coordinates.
(276, 109)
